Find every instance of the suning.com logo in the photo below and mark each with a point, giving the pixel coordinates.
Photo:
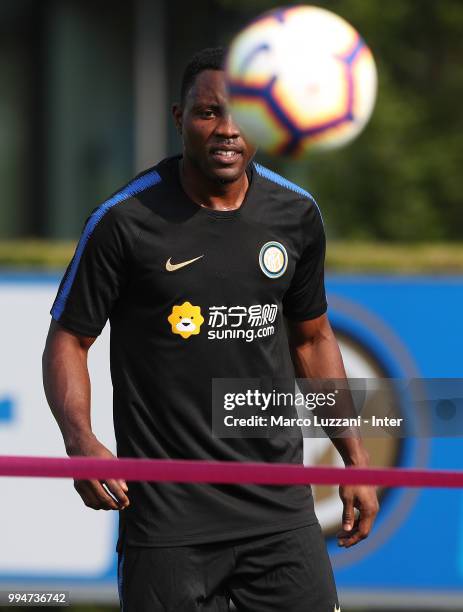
(224, 322)
(246, 322)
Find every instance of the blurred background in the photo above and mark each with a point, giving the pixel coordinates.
(86, 89)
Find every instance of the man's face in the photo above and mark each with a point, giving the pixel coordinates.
(211, 140)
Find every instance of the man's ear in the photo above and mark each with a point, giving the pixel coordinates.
(177, 113)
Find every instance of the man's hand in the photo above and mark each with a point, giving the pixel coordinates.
(99, 494)
(364, 499)
(316, 356)
(67, 387)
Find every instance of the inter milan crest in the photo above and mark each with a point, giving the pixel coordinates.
(273, 259)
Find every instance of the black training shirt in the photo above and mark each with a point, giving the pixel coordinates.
(194, 294)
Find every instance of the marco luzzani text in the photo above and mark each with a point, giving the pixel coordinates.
(272, 401)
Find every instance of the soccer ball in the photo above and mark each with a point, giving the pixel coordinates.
(300, 79)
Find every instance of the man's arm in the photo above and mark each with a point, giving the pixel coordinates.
(315, 353)
(67, 387)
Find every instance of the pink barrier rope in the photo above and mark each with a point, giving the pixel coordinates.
(223, 472)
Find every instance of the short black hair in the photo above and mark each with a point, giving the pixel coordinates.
(212, 58)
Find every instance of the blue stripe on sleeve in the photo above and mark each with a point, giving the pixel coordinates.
(280, 180)
(136, 186)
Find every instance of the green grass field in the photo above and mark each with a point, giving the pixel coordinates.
(367, 257)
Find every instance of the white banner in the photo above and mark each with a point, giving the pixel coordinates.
(47, 534)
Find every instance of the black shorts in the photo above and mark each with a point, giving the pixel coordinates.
(288, 571)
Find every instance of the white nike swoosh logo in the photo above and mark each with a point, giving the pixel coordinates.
(170, 267)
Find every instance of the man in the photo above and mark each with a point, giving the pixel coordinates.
(181, 260)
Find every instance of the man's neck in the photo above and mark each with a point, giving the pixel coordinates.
(212, 194)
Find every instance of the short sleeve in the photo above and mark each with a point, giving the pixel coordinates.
(93, 280)
(305, 298)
